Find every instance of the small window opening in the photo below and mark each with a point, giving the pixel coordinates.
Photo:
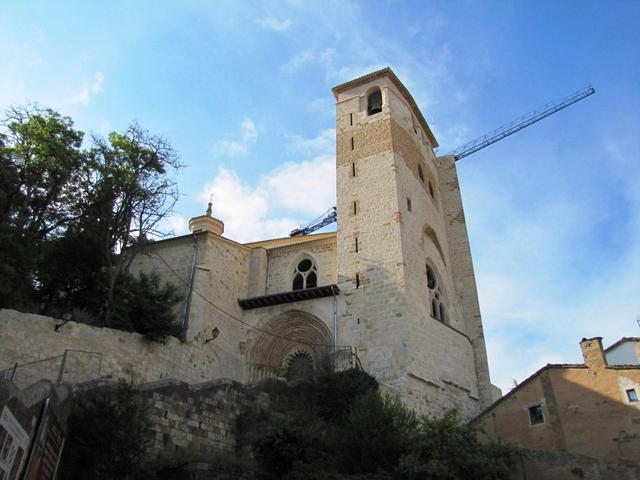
(409, 204)
(351, 119)
(353, 169)
(305, 275)
(352, 144)
(536, 415)
(374, 103)
(357, 280)
(431, 191)
(632, 395)
(358, 321)
(421, 174)
(355, 207)
(356, 244)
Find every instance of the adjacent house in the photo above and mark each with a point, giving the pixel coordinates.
(625, 351)
(591, 409)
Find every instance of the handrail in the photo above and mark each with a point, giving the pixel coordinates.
(10, 373)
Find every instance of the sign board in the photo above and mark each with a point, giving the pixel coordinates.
(47, 449)
(14, 441)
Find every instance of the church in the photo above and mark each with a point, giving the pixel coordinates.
(392, 290)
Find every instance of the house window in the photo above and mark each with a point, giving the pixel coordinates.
(438, 310)
(536, 415)
(374, 102)
(305, 275)
(632, 395)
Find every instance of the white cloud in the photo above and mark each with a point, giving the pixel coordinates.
(177, 224)
(275, 24)
(298, 61)
(306, 187)
(325, 142)
(83, 96)
(280, 201)
(552, 270)
(324, 58)
(324, 106)
(239, 146)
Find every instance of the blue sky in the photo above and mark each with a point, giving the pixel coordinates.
(243, 92)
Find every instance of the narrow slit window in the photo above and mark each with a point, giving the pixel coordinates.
(409, 204)
(357, 280)
(351, 119)
(353, 169)
(356, 243)
(355, 207)
(352, 144)
(421, 174)
(431, 191)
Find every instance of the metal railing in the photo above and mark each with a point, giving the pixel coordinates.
(343, 358)
(71, 366)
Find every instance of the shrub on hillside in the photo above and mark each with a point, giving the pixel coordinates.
(145, 305)
(339, 427)
(107, 437)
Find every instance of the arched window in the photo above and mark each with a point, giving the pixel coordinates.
(374, 102)
(305, 275)
(435, 296)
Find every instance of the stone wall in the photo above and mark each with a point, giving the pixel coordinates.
(128, 356)
(401, 224)
(196, 422)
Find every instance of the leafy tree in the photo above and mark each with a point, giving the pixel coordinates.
(132, 194)
(107, 436)
(447, 449)
(42, 176)
(368, 435)
(145, 305)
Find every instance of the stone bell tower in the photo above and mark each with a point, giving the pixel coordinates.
(404, 263)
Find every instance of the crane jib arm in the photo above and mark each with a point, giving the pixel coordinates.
(520, 123)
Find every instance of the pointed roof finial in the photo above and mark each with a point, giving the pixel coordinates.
(209, 211)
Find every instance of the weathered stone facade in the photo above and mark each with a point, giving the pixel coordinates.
(589, 409)
(394, 285)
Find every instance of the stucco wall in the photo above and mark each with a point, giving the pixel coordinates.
(586, 412)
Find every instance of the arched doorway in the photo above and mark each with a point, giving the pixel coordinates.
(295, 345)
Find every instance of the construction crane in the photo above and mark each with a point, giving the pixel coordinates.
(520, 123)
(326, 218)
(473, 146)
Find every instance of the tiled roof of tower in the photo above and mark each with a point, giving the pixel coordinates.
(396, 81)
(287, 241)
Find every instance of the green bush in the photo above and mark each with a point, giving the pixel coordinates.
(146, 305)
(107, 437)
(339, 427)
